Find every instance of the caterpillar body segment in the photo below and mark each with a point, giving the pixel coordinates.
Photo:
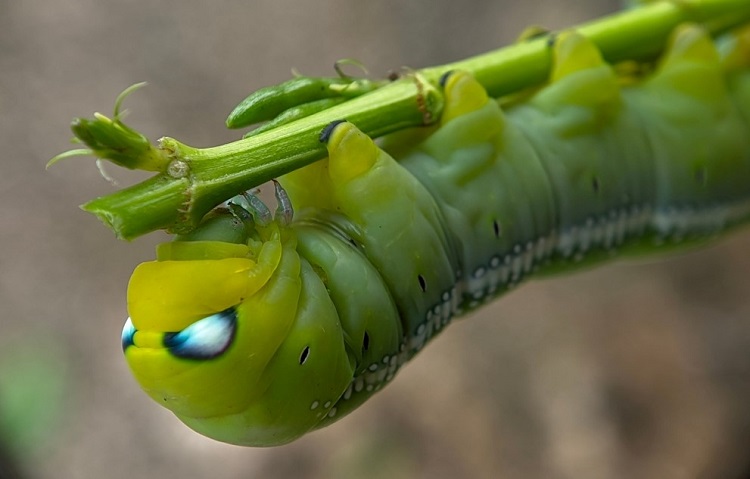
(386, 211)
(699, 141)
(256, 329)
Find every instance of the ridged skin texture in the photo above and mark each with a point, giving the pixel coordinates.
(382, 253)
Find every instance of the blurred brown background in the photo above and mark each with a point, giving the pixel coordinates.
(630, 370)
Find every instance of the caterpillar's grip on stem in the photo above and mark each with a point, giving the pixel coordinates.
(201, 178)
(270, 329)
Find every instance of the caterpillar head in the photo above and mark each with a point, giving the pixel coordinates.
(231, 331)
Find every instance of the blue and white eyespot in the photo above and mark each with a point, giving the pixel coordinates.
(128, 330)
(205, 339)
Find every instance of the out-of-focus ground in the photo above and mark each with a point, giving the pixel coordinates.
(633, 370)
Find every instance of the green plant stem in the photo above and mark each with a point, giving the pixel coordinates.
(199, 179)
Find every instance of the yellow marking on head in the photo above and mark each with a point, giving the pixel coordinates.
(170, 295)
(194, 250)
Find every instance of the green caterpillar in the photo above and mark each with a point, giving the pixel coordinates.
(257, 328)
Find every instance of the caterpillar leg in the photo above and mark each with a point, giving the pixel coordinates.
(249, 208)
(251, 204)
(284, 210)
(583, 90)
